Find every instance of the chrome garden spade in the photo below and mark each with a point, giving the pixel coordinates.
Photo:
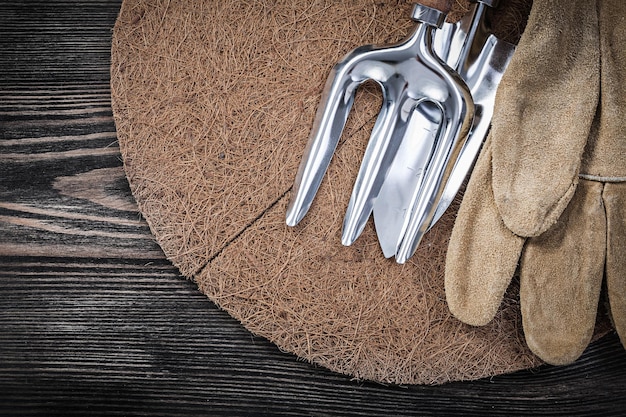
(480, 59)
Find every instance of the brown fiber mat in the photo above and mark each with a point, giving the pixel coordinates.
(213, 103)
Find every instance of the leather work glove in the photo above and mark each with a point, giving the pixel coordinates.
(548, 193)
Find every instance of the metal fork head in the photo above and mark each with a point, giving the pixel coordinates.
(411, 76)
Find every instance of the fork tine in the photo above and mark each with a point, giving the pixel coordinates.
(381, 149)
(329, 123)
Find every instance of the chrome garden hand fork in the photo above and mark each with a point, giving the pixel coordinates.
(414, 81)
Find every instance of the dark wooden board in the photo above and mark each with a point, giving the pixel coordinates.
(95, 321)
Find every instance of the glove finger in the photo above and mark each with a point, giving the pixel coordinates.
(606, 157)
(606, 148)
(482, 254)
(561, 276)
(615, 201)
(544, 109)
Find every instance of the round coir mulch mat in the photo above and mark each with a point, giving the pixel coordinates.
(213, 103)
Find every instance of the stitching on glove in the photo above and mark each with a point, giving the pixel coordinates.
(599, 178)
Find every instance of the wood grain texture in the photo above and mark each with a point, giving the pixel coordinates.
(95, 321)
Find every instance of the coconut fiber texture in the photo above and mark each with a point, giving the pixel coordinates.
(213, 103)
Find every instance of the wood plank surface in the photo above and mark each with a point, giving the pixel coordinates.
(95, 321)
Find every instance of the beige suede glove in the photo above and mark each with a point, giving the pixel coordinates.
(548, 193)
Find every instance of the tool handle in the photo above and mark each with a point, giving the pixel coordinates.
(442, 5)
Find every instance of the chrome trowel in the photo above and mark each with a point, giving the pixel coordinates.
(480, 59)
